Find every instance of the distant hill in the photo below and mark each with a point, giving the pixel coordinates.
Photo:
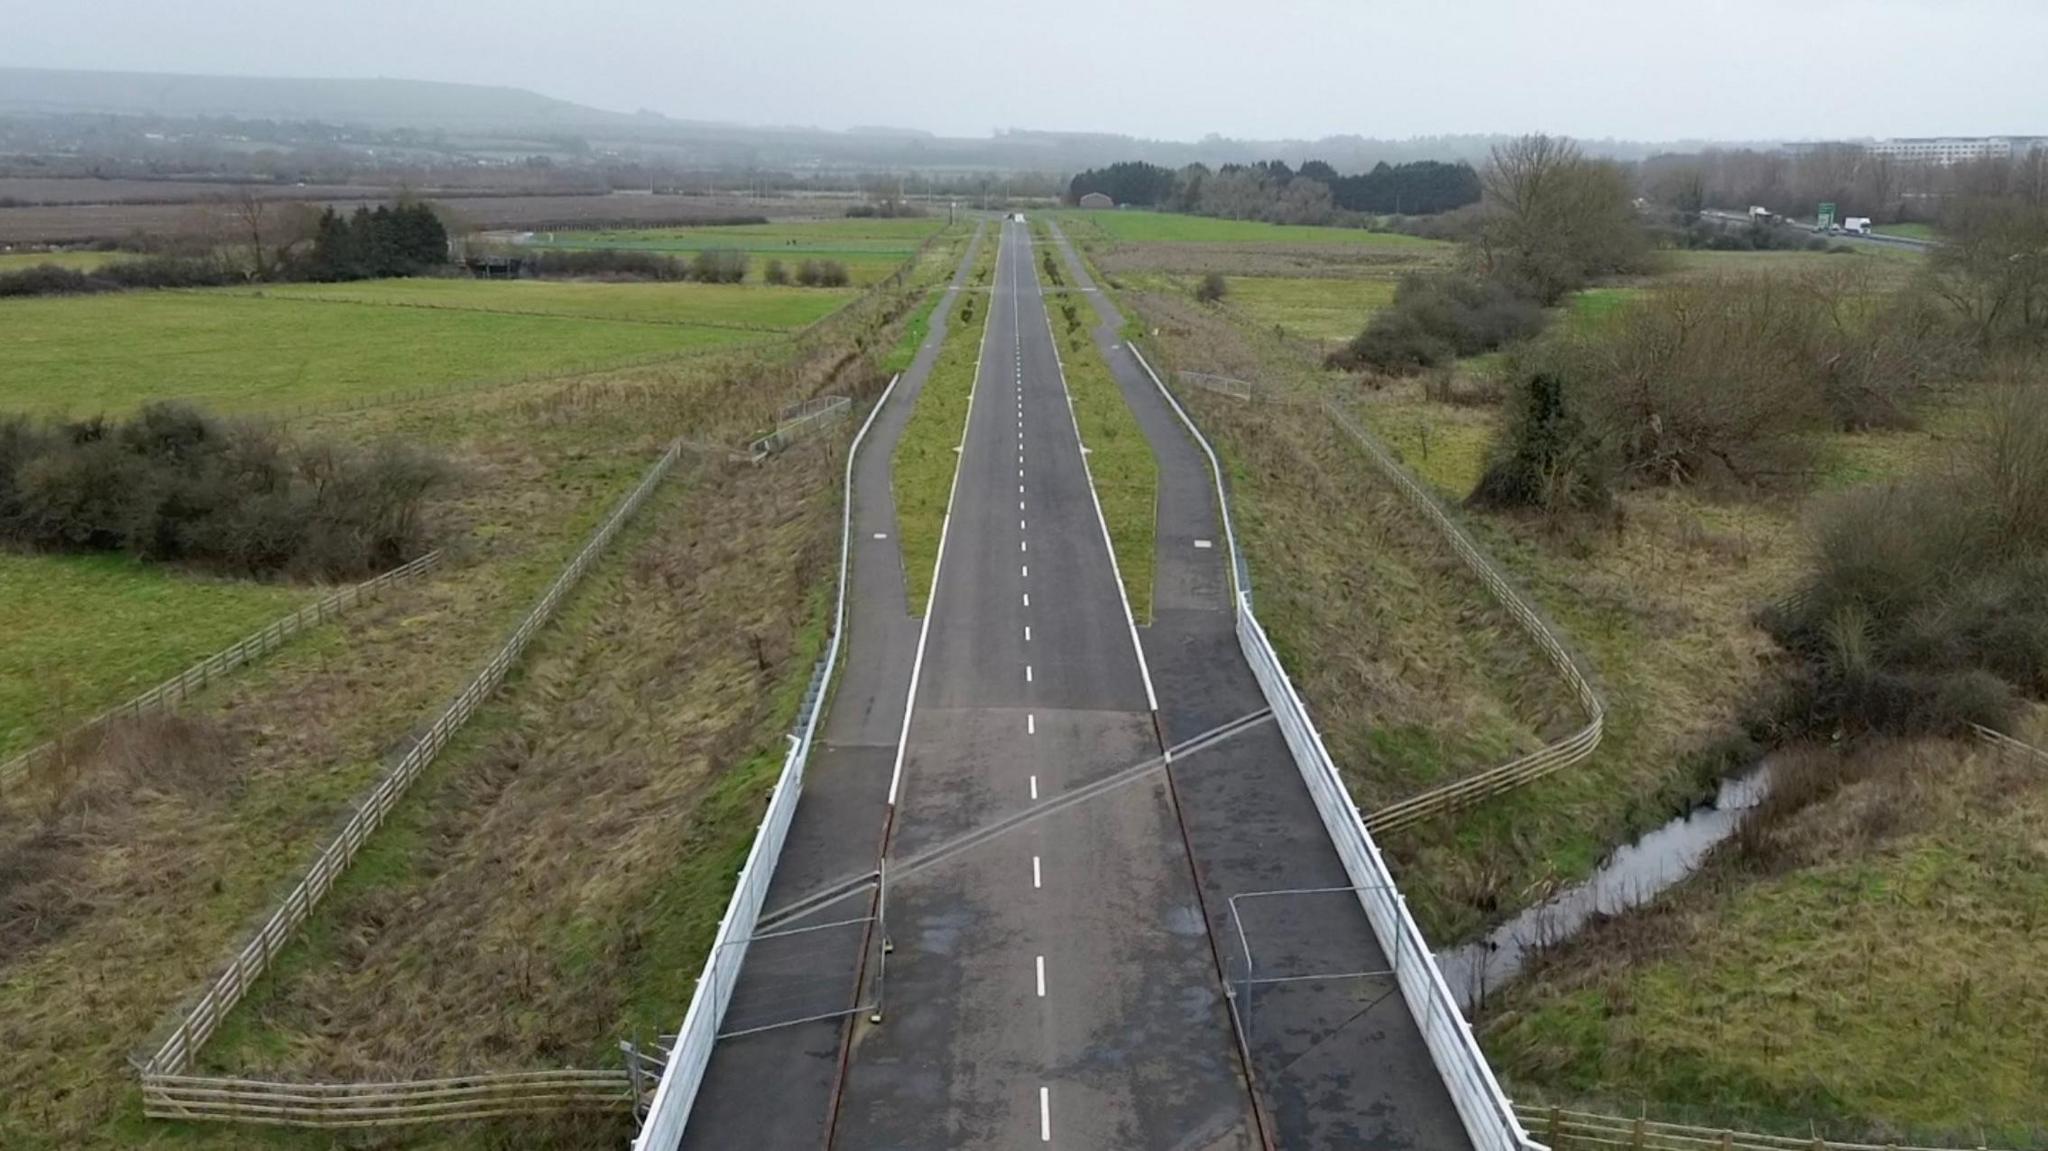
(421, 104)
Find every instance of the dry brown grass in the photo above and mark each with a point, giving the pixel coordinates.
(491, 927)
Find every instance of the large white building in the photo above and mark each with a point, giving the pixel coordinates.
(1945, 149)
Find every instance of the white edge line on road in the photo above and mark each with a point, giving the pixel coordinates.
(924, 628)
(1215, 472)
(1151, 698)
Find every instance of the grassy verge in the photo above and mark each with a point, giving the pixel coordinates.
(921, 473)
(86, 632)
(914, 333)
(1869, 965)
(1120, 461)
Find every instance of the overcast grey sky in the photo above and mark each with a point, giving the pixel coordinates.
(1648, 69)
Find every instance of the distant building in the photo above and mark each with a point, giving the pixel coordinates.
(1097, 200)
(1942, 150)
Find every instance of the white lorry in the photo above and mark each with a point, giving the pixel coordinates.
(1857, 225)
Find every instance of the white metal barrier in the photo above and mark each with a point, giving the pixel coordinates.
(691, 1055)
(1488, 1117)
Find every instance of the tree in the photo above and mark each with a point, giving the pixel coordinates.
(1993, 269)
(1554, 219)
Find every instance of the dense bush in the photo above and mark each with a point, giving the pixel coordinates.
(1928, 610)
(609, 262)
(121, 275)
(718, 266)
(822, 274)
(1708, 380)
(171, 484)
(1436, 317)
(1212, 288)
(775, 273)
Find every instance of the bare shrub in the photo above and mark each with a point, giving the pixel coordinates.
(1928, 610)
(1211, 289)
(1436, 317)
(775, 273)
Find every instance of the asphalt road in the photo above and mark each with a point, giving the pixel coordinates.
(1337, 1062)
(775, 1088)
(1053, 984)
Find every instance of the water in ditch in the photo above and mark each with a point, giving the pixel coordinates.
(1630, 876)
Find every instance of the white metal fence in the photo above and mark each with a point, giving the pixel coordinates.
(167, 1091)
(1553, 757)
(1488, 1117)
(178, 688)
(690, 1055)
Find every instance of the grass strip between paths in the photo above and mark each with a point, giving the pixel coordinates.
(921, 474)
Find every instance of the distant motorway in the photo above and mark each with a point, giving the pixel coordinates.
(1872, 238)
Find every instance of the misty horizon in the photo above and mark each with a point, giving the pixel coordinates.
(1734, 71)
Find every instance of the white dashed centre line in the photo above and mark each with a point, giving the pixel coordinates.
(1045, 1114)
(1027, 599)
(1027, 673)
(1034, 787)
(1041, 977)
(1037, 878)
(1030, 725)
(1027, 633)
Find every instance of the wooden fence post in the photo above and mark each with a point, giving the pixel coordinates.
(1556, 1126)
(1637, 1140)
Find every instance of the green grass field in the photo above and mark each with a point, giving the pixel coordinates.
(86, 632)
(77, 261)
(921, 474)
(1909, 231)
(235, 352)
(1120, 461)
(1877, 973)
(1139, 227)
(1314, 308)
(707, 305)
(870, 249)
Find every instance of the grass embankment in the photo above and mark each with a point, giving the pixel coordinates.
(1120, 461)
(870, 249)
(126, 888)
(1870, 965)
(555, 871)
(86, 632)
(921, 472)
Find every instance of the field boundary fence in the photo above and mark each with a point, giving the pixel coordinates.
(342, 1105)
(799, 421)
(1230, 386)
(248, 649)
(1569, 1130)
(1544, 761)
(689, 1054)
(169, 1093)
(1488, 1117)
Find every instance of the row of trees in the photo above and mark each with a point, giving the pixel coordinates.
(1857, 181)
(391, 241)
(1313, 194)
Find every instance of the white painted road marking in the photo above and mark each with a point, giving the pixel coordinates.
(1045, 1114)
(1203, 543)
(1037, 879)
(1027, 599)
(1027, 673)
(1027, 572)
(1023, 545)
(881, 535)
(1041, 977)
(1027, 633)
(1030, 725)
(1034, 787)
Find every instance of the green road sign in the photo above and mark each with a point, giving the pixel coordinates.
(1826, 217)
